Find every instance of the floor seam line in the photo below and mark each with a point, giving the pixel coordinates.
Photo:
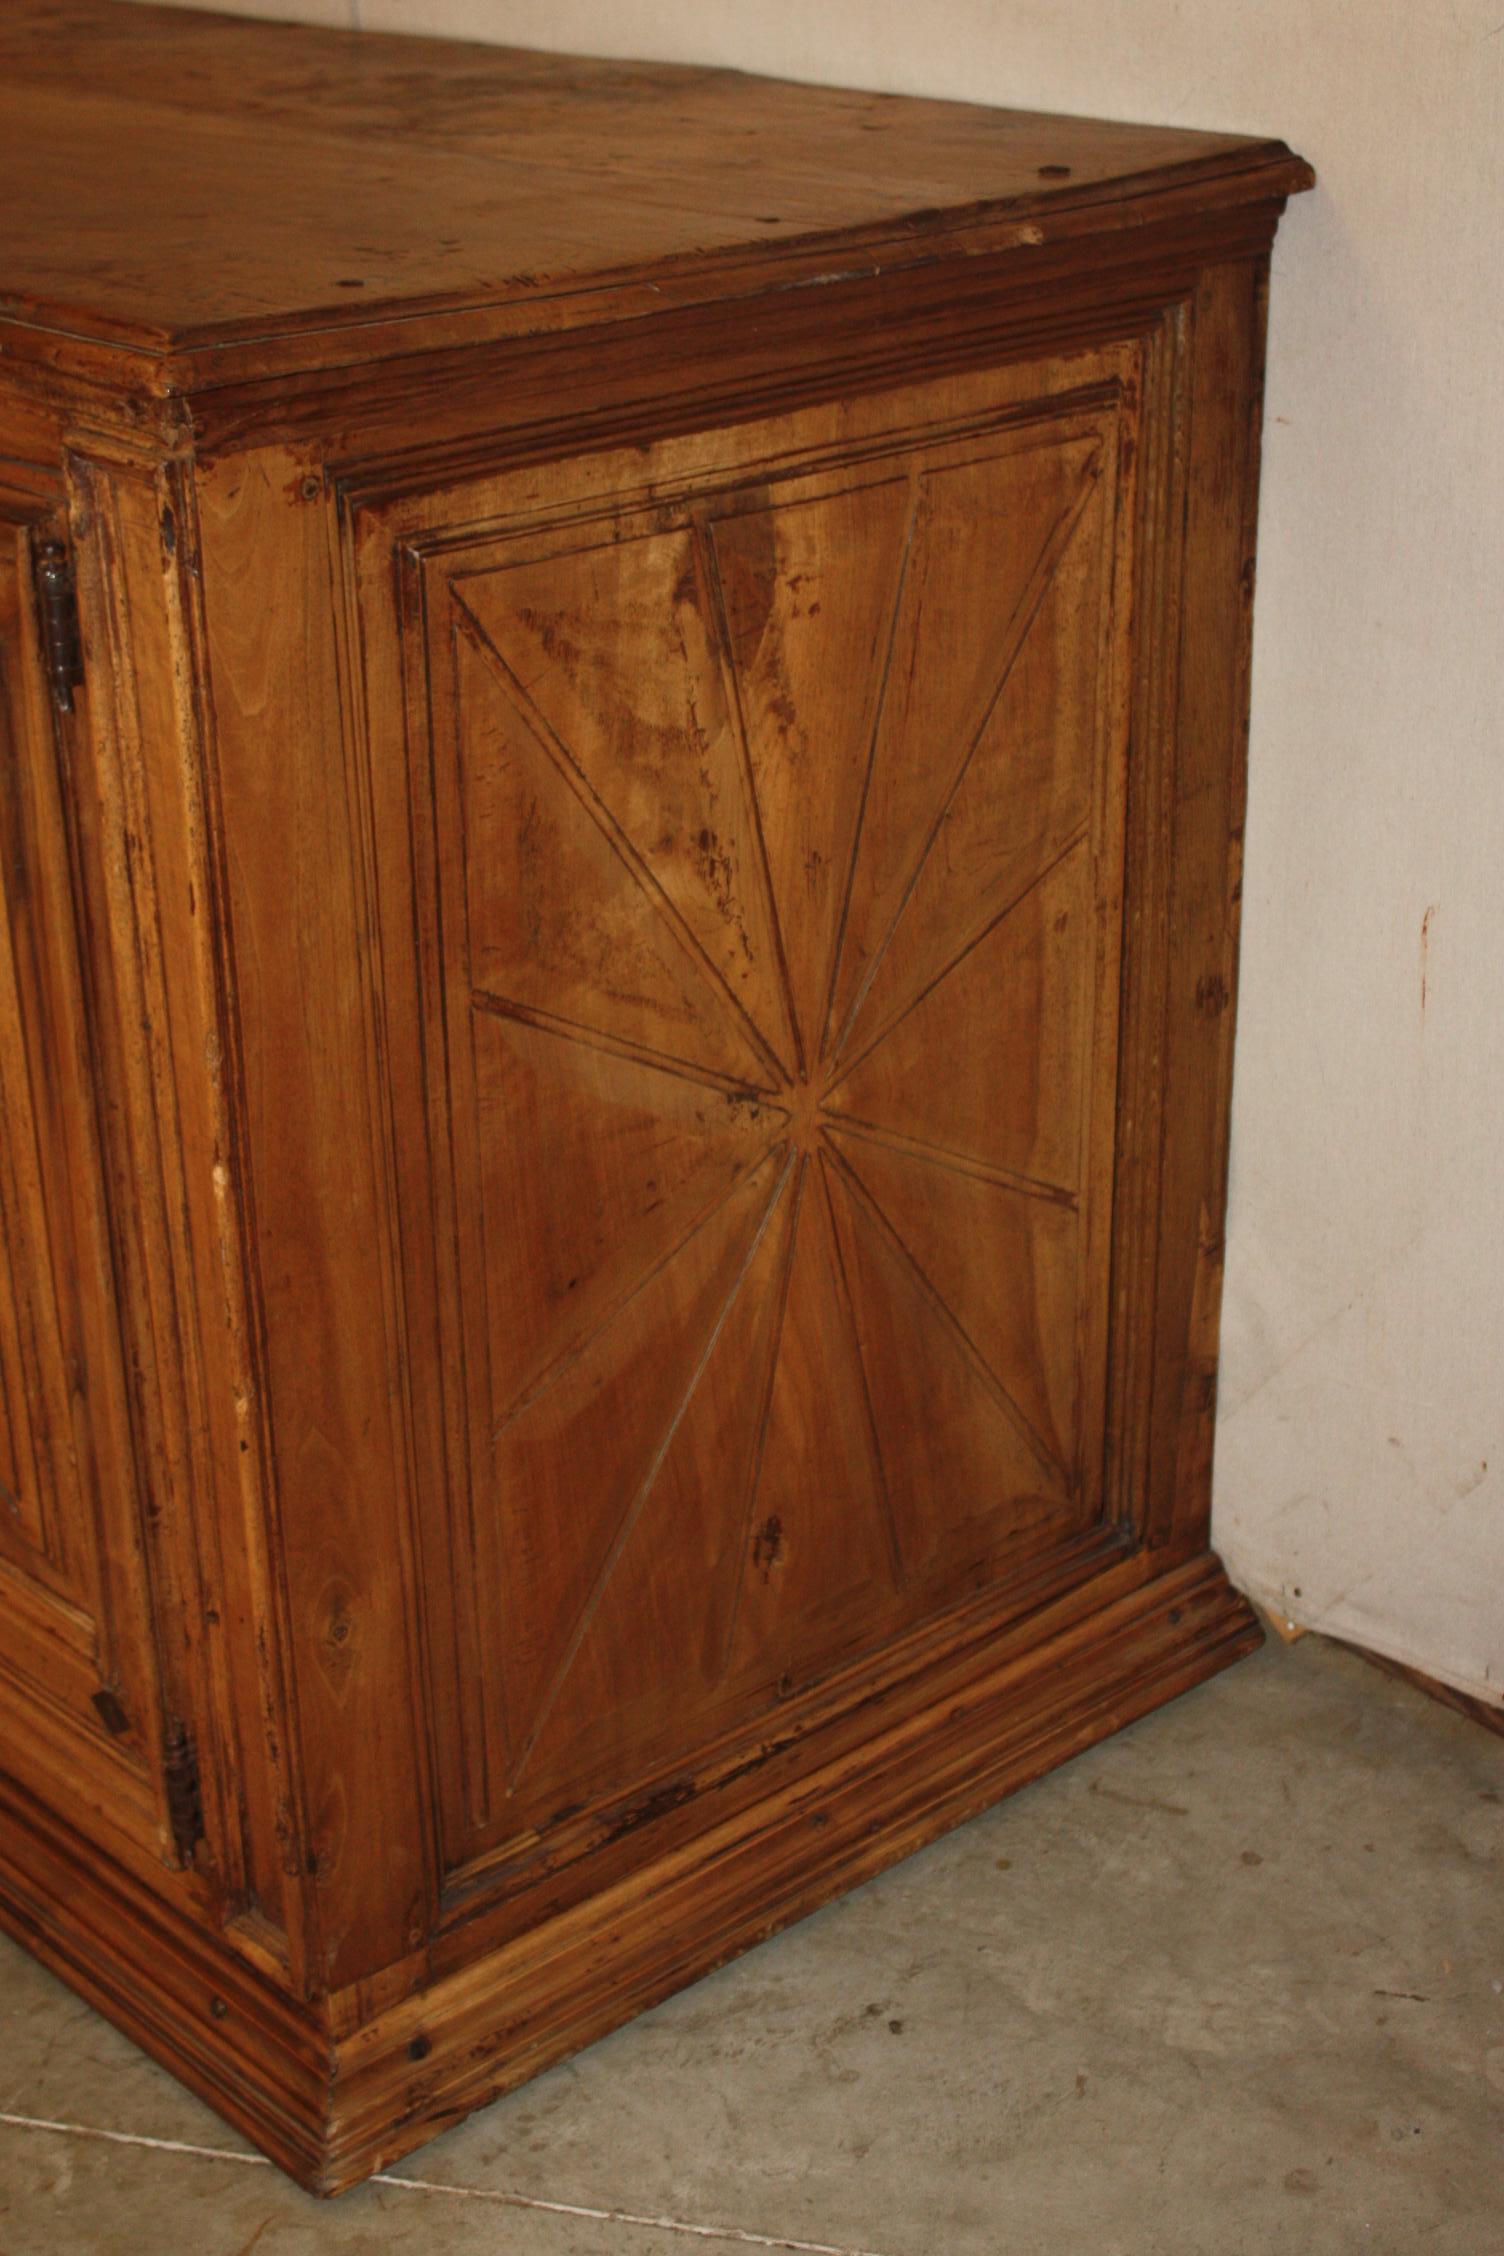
(132, 2138)
(734, 2234)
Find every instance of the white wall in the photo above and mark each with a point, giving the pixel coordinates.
(1360, 1465)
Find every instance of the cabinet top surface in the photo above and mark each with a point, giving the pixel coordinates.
(172, 179)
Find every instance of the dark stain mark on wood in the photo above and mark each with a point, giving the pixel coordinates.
(111, 1712)
(767, 1548)
(653, 1806)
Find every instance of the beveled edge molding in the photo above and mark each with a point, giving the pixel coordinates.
(422, 2064)
(138, 369)
(145, 1959)
(703, 362)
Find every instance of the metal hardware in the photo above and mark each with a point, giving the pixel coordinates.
(62, 643)
(180, 1776)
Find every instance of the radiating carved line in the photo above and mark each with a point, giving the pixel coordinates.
(634, 1509)
(1080, 833)
(865, 1204)
(760, 1443)
(620, 1045)
(563, 1029)
(709, 566)
(568, 1357)
(951, 1162)
(557, 750)
(1051, 556)
(473, 1353)
(879, 708)
(890, 1524)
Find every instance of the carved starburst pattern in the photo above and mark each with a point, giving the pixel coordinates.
(777, 876)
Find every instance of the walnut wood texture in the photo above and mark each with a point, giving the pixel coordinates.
(615, 1014)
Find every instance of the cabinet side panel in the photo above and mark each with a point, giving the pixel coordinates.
(315, 1194)
(1209, 793)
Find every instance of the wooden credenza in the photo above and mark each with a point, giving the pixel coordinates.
(622, 714)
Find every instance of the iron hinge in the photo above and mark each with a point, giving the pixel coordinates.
(180, 1777)
(62, 640)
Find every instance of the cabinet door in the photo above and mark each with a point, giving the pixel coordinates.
(768, 799)
(75, 1670)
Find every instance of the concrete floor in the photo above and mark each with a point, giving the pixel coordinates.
(1233, 1982)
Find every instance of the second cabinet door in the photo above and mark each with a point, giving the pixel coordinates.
(75, 1645)
(766, 792)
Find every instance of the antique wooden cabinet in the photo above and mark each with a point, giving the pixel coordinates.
(621, 778)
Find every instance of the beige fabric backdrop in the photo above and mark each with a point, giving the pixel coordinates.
(1360, 1465)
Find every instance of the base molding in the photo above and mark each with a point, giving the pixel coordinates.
(173, 1984)
(492, 2025)
(330, 2112)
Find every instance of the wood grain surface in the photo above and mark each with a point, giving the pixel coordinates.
(616, 1007)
